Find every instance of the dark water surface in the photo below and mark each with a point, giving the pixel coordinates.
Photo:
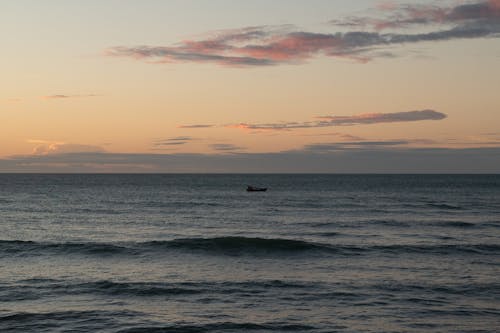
(197, 253)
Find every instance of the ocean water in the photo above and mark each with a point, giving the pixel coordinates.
(197, 253)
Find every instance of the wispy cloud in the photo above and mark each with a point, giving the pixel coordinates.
(56, 96)
(171, 143)
(175, 141)
(268, 45)
(374, 118)
(354, 145)
(341, 136)
(226, 147)
(60, 96)
(362, 119)
(218, 48)
(65, 148)
(473, 15)
(195, 126)
(371, 145)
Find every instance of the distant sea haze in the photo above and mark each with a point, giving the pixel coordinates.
(198, 253)
(372, 157)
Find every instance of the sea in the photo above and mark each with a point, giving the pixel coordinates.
(198, 253)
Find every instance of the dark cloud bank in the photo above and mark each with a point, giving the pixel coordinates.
(350, 157)
(268, 45)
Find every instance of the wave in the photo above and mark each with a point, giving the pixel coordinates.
(127, 322)
(12, 247)
(457, 224)
(221, 327)
(472, 289)
(26, 290)
(29, 316)
(439, 249)
(252, 289)
(442, 223)
(389, 223)
(259, 246)
(232, 246)
(444, 206)
(328, 234)
(92, 320)
(237, 244)
(217, 245)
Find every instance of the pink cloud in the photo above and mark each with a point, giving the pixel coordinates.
(268, 45)
(387, 5)
(292, 46)
(407, 15)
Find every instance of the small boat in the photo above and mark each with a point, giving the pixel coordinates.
(256, 189)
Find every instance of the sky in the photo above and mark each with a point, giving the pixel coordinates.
(333, 86)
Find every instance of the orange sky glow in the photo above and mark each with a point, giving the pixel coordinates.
(202, 84)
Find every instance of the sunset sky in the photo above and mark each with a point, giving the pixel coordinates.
(250, 86)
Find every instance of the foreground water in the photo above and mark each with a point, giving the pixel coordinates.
(196, 253)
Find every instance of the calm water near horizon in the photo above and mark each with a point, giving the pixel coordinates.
(197, 253)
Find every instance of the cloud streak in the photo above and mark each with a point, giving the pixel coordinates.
(64, 148)
(196, 126)
(374, 118)
(354, 145)
(226, 147)
(268, 45)
(176, 141)
(362, 119)
(395, 16)
(60, 96)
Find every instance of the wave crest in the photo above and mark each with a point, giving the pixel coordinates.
(234, 246)
(238, 244)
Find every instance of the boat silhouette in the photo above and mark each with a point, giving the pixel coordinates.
(256, 189)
